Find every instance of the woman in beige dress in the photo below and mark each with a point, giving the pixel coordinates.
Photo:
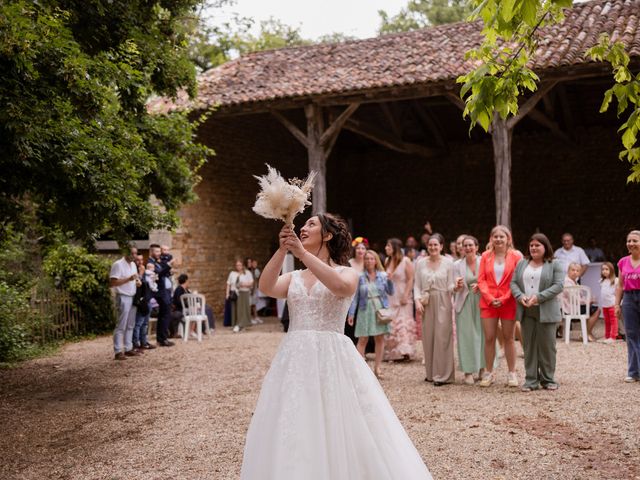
(400, 343)
(433, 287)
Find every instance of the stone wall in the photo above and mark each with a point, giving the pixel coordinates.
(557, 187)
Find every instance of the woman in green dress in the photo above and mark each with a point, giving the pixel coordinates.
(467, 307)
(374, 287)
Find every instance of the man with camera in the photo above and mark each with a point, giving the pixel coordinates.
(123, 278)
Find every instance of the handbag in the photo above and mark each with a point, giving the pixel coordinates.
(233, 294)
(384, 316)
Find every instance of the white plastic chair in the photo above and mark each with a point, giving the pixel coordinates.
(193, 311)
(574, 298)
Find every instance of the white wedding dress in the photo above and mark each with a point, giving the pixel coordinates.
(321, 414)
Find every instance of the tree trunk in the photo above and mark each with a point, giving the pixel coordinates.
(317, 155)
(501, 136)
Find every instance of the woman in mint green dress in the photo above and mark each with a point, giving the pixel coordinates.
(372, 293)
(467, 307)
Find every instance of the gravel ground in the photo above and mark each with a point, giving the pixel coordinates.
(182, 413)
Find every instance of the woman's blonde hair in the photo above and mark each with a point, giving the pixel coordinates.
(504, 229)
(379, 267)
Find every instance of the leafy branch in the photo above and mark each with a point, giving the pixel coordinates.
(627, 94)
(502, 74)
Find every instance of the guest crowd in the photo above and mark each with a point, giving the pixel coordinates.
(480, 302)
(484, 301)
(145, 288)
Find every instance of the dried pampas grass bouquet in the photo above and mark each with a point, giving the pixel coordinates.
(282, 200)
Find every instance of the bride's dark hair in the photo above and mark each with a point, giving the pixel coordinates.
(339, 245)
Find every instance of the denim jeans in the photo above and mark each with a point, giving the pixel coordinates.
(140, 330)
(631, 314)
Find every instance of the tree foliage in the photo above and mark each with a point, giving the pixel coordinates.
(76, 140)
(627, 93)
(509, 40)
(423, 13)
(215, 43)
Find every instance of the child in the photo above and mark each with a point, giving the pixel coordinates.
(608, 283)
(150, 277)
(571, 280)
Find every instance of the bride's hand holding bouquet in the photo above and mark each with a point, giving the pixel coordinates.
(290, 242)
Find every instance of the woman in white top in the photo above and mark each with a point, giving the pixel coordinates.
(240, 282)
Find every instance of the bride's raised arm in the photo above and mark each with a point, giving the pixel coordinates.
(271, 282)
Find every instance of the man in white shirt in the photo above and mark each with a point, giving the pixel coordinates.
(569, 253)
(123, 279)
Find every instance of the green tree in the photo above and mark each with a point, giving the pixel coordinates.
(492, 90)
(77, 143)
(626, 91)
(423, 13)
(216, 43)
(335, 37)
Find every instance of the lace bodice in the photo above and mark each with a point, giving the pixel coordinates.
(317, 309)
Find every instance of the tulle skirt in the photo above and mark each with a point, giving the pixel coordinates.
(322, 415)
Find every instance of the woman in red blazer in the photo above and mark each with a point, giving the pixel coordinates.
(497, 265)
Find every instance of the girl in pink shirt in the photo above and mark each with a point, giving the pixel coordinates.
(629, 288)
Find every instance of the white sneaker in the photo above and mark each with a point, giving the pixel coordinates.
(236, 329)
(254, 321)
(259, 320)
(513, 380)
(609, 341)
(193, 335)
(631, 379)
(487, 379)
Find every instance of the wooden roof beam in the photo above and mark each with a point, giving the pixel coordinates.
(389, 141)
(431, 124)
(542, 119)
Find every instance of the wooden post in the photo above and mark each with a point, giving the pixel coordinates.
(319, 143)
(501, 136)
(317, 155)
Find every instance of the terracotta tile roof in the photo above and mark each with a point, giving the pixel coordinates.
(421, 57)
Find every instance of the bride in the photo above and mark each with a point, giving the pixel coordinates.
(322, 414)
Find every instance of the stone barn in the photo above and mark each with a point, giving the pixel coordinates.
(381, 120)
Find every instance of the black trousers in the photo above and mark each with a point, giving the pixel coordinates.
(163, 297)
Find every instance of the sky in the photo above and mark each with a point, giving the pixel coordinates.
(357, 18)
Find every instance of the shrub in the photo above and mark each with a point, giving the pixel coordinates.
(16, 324)
(86, 277)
